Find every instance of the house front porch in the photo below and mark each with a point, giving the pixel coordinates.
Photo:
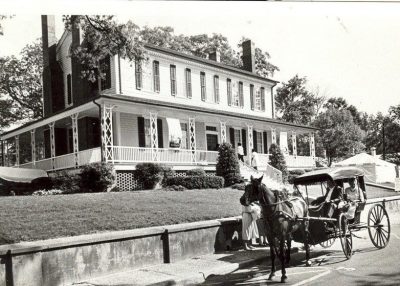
(127, 133)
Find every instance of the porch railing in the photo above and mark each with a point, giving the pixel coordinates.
(124, 154)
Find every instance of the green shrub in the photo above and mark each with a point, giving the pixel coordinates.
(294, 174)
(165, 173)
(277, 160)
(239, 186)
(196, 172)
(97, 177)
(149, 174)
(228, 165)
(175, 188)
(66, 182)
(196, 182)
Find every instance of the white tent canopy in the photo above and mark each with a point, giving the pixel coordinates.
(376, 170)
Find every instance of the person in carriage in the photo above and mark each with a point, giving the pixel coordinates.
(330, 202)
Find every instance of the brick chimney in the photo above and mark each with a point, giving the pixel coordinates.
(53, 83)
(373, 151)
(249, 56)
(215, 56)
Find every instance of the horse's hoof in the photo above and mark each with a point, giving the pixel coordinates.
(271, 276)
(283, 279)
(308, 263)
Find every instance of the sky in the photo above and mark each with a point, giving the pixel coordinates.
(349, 50)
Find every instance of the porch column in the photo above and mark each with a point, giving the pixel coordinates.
(154, 136)
(33, 146)
(312, 145)
(52, 145)
(7, 155)
(75, 140)
(273, 136)
(192, 136)
(294, 143)
(250, 139)
(223, 132)
(107, 133)
(16, 150)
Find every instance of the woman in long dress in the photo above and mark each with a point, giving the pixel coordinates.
(250, 214)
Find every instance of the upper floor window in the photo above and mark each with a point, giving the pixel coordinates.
(262, 99)
(241, 103)
(203, 85)
(237, 99)
(188, 78)
(69, 89)
(156, 76)
(138, 74)
(229, 90)
(258, 100)
(172, 71)
(252, 96)
(105, 69)
(216, 89)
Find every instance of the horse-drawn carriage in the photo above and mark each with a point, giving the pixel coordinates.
(326, 205)
(332, 218)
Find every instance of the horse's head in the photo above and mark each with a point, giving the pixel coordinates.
(251, 191)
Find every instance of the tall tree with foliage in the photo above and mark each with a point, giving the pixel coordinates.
(341, 103)
(277, 160)
(20, 86)
(338, 134)
(294, 103)
(228, 165)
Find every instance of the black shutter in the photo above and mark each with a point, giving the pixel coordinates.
(142, 139)
(232, 135)
(265, 142)
(160, 133)
(244, 141)
(255, 140)
(252, 97)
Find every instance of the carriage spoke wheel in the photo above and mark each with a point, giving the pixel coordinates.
(332, 234)
(346, 238)
(378, 226)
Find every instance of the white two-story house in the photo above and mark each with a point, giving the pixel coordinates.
(172, 108)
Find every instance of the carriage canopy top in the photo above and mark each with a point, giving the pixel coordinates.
(20, 175)
(338, 173)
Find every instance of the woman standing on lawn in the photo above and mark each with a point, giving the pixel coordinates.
(250, 214)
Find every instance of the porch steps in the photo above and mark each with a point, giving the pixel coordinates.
(247, 171)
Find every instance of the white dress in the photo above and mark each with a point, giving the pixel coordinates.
(249, 223)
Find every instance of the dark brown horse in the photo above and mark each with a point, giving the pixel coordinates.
(280, 221)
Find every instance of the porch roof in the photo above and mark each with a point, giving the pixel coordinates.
(174, 105)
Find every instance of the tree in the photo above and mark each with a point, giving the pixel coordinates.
(228, 165)
(277, 160)
(294, 103)
(341, 103)
(2, 17)
(20, 86)
(338, 133)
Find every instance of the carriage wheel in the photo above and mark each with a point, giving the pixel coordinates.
(346, 238)
(379, 226)
(328, 243)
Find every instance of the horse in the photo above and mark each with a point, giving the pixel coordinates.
(280, 221)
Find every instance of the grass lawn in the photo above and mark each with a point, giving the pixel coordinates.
(27, 218)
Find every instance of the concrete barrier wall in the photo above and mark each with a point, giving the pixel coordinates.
(66, 260)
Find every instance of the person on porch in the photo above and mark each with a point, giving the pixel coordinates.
(254, 159)
(240, 152)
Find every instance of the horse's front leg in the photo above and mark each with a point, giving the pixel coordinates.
(282, 258)
(289, 246)
(306, 240)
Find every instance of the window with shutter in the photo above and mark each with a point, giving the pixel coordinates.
(203, 85)
(138, 74)
(241, 101)
(229, 90)
(172, 70)
(188, 77)
(262, 99)
(252, 96)
(156, 76)
(216, 89)
(258, 100)
(105, 68)
(69, 89)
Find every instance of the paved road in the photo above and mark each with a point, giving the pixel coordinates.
(368, 266)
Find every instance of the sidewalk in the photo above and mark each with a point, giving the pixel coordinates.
(186, 272)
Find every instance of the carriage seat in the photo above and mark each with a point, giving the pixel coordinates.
(316, 210)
